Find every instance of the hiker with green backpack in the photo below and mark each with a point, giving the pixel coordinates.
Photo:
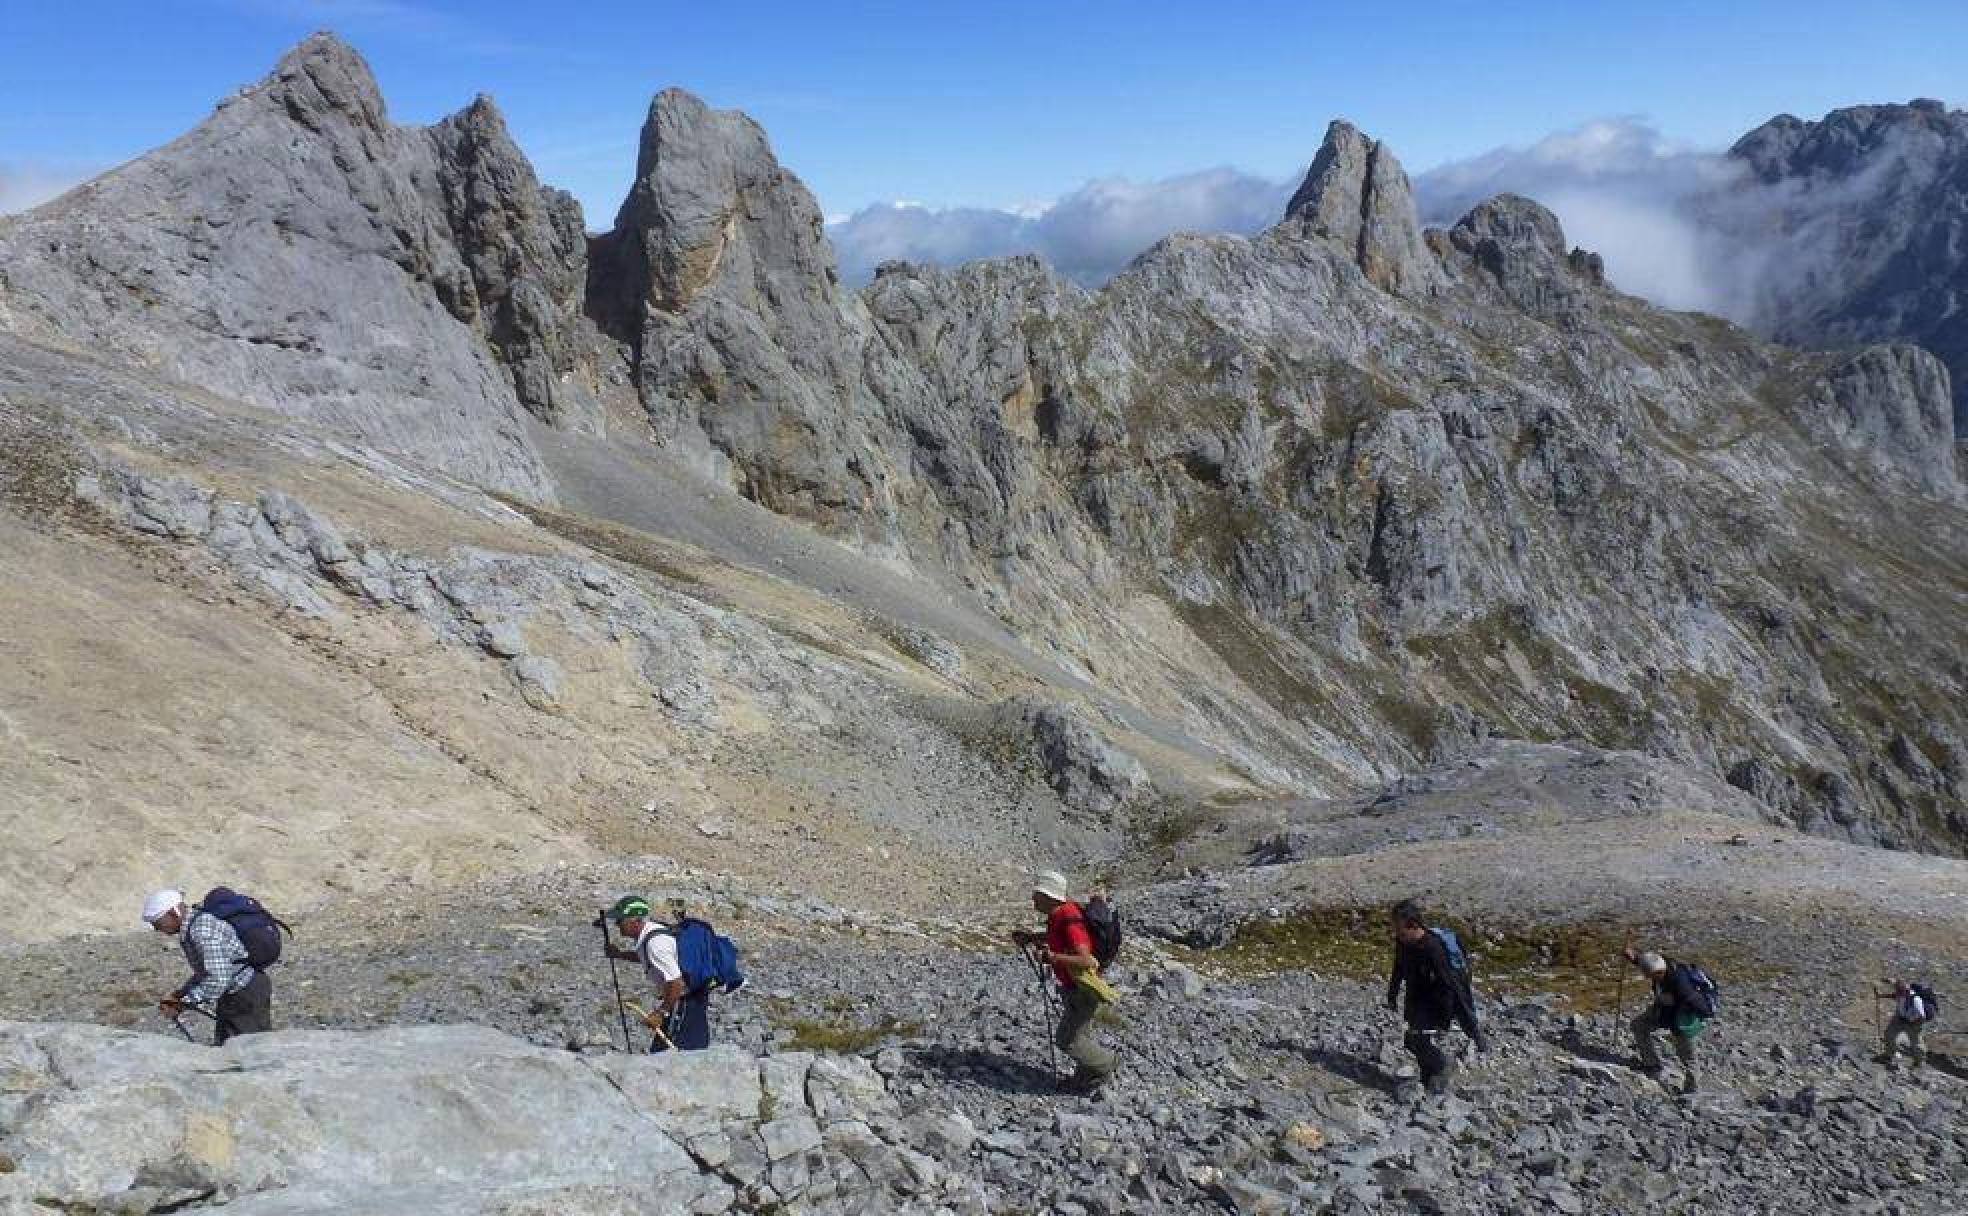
(230, 940)
(1684, 1001)
(1072, 945)
(1431, 966)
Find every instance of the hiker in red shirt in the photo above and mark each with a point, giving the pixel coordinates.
(1068, 948)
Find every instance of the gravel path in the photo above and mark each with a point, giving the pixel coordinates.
(1245, 1088)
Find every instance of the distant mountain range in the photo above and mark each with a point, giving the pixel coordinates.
(1292, 513)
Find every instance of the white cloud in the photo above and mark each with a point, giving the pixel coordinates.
(1620, 188)
(1087, 235)
(1682, 226)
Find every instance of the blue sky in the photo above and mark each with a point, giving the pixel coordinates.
(984, 104)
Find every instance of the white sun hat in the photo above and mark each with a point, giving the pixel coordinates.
(159, 903)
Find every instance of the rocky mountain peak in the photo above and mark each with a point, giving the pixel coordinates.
(325, 76)
(1845, 141)
(710, 201)
(1520, 245)
(525, 247)
(1357, 194)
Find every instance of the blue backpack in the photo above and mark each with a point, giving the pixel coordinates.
(1707, 997)
(258, 929)
(706, 956)
(1452, 945)
(1458, 962)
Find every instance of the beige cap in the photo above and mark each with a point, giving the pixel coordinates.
(1051, 884)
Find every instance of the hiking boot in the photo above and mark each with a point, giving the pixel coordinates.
(1688, 1085)
(1084, 1082)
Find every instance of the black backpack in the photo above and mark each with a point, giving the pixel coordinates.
(1707, 997)
(1104, 927)
(259, 930)
(1926, 994)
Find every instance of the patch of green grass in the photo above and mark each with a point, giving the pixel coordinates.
(843, 1036)
(1170, 830)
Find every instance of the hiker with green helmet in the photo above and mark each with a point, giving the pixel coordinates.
(682, 1019)
(1067, 947)
(1684, 999)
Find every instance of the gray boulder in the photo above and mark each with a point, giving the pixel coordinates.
(430, 1119)
(1086, 769)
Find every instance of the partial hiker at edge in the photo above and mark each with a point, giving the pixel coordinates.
(230, 941)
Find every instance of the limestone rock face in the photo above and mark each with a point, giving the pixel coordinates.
(527, 254)
(1521, 246)
(299, 251)
(718, 276)
(1890, 406)
(1357, 194)
(437, 1119)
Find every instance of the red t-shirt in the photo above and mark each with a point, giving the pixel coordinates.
(1066, 933)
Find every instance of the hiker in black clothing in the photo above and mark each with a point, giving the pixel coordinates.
(1438, 995)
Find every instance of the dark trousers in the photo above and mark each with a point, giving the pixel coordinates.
(247, 1011)
(1425, 1045)
(689, 1025)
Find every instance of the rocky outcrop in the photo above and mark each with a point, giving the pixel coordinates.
(1889, 407)
(718, 276)
(1520, 245)
(446, 1119)
(1357, 194)
(1087, 770)
(527, 253)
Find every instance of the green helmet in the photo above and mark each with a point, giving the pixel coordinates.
(628, 908)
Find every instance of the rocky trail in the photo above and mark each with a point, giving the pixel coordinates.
(1260, 1075)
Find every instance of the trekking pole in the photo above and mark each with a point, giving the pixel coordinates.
(178, 1021)
(1048, 1019)
(615, 977)
(642, 1015)
(1619, 999)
